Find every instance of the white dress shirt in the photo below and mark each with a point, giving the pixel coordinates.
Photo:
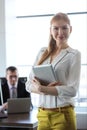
(67, 69)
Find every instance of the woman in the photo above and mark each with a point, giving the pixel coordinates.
(56, 105)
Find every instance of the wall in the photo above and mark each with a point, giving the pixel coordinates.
(7, 33)
(2, 38)
(10, 27)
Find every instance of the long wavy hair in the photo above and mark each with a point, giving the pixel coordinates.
(52, 43)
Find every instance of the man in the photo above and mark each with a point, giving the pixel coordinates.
(12, 80)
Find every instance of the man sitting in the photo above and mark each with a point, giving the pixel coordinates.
(12, 80)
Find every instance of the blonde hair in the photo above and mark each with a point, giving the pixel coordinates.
(52, 43)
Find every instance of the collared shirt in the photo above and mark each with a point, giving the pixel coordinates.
(67, 69)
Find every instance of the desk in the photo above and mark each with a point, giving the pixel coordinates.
(21, 120)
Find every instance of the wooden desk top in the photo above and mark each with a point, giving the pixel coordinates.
(28, 120)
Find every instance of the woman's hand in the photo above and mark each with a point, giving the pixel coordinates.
(47, 89)
(54, 84)
(37, 85)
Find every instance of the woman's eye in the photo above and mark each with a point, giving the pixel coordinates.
(58, 28)
(64, 28)
(55, 28)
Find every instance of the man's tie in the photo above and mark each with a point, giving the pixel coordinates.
(14, 93)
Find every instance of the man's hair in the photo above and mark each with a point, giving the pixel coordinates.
(11, 68)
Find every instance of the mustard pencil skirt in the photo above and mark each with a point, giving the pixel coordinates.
(57, 120)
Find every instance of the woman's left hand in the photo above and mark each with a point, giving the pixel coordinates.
(49, 89)
(54, 84)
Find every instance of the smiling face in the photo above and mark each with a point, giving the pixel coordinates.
(60, 29)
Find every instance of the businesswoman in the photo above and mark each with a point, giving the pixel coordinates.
(56, 100)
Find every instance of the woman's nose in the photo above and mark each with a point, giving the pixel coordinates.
(60, 31)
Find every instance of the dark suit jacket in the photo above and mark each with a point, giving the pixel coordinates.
(21, 91)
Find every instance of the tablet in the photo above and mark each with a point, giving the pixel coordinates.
(44, 73)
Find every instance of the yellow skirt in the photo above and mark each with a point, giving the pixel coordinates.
(65, 119)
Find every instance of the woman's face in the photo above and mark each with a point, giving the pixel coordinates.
(60, 31)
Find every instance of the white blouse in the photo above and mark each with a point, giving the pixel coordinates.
(67, 69)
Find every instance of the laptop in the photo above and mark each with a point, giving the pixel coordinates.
(18, 105)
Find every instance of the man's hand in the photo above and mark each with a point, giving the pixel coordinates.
(5, 106)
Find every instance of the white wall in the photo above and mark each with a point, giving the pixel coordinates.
(7, 34)
(2, 38)
(10, 27)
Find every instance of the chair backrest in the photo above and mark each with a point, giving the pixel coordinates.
(22, 79)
